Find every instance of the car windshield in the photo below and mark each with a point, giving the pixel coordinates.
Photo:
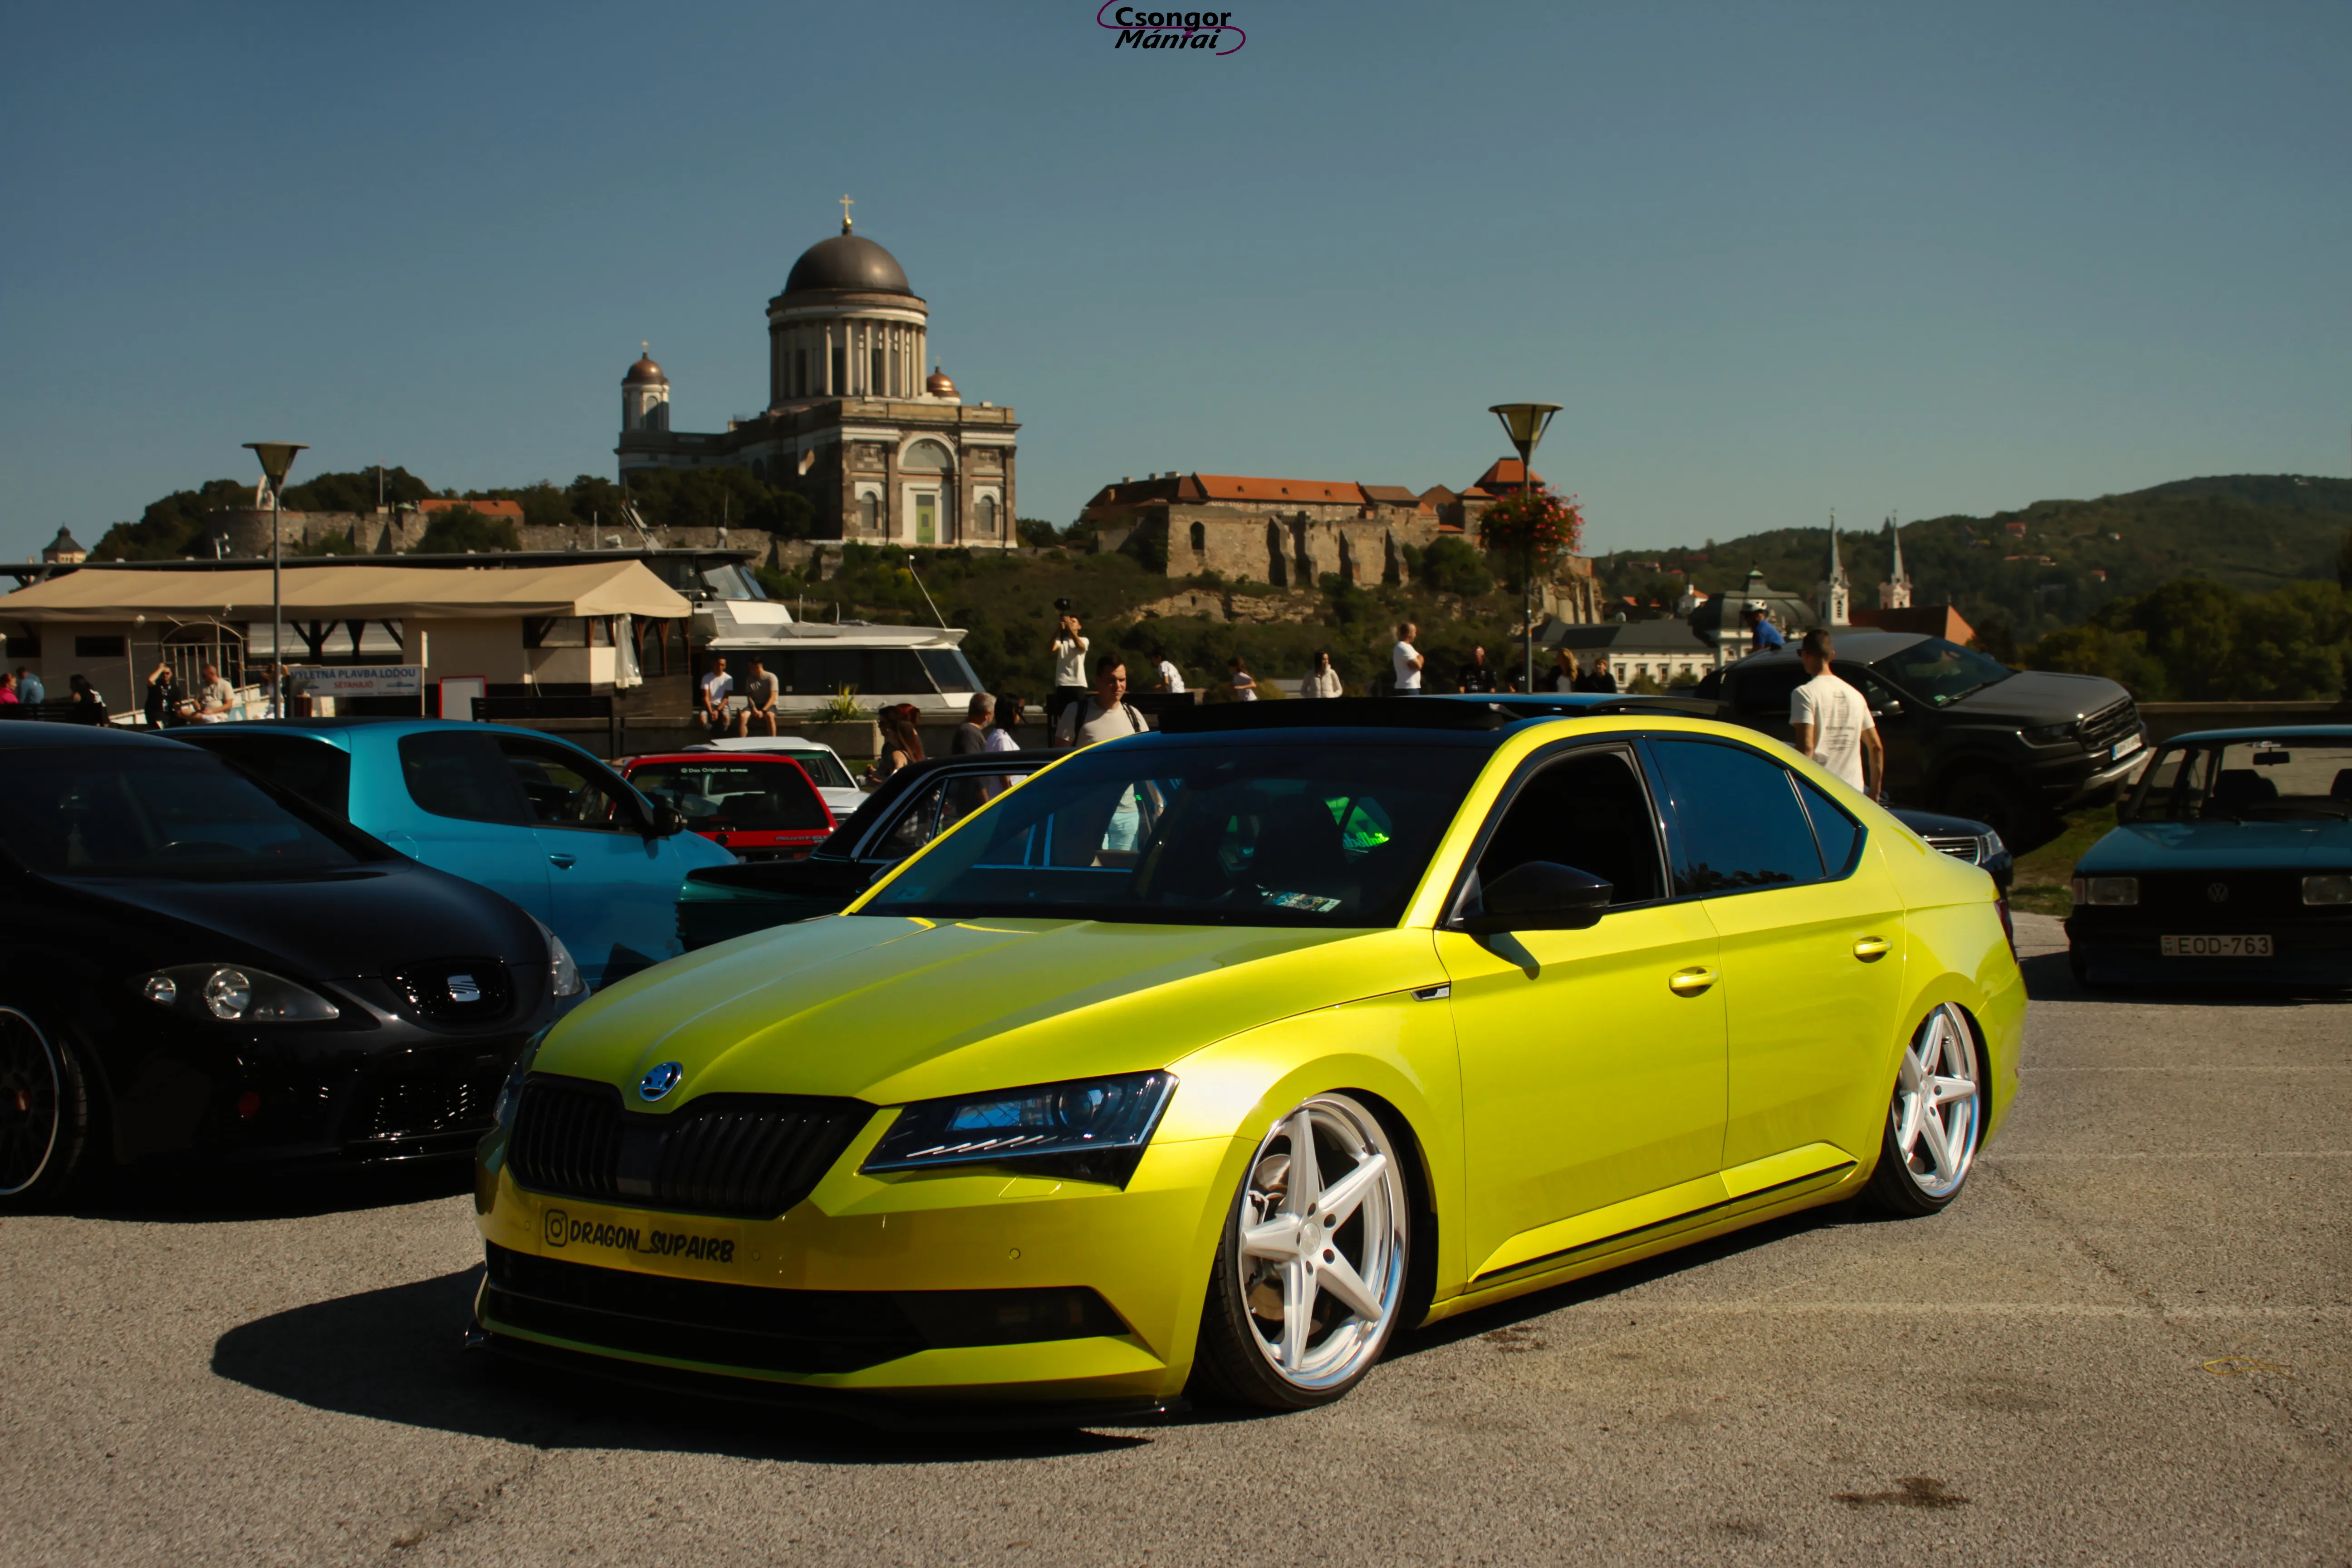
(1941, 672)
(824, 769)
(1329, 835)
(173, 812)
(741, 793)
(2287, 778)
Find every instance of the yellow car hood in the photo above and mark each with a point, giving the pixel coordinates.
(891, 1009)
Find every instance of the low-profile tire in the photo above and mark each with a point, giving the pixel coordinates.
(1309, 1283)
(47, 1112)
(1935, 1120)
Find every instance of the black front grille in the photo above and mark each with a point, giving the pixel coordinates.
(455, 992)
(2108, 725)
(2188, 897)
(770, 1328)
(750, 1156)
(424, 1102)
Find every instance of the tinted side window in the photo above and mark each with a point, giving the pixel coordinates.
(1591, 812)
(1763, 692)
(1740, 823)
(915, 826)
(1839, 834)
(319, 773)
(451, 773)
(567, 791)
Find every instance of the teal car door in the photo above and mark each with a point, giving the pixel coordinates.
(458, 810)
(611, 882)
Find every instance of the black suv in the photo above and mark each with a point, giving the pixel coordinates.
(1963, 733)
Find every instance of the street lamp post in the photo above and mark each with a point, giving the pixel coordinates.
(277, 458)
(1526, 423)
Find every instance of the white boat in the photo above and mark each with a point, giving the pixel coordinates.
(815, 662)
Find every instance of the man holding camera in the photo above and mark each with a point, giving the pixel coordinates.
(1070, 647)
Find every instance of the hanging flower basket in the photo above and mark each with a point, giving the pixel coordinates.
(1533, 526)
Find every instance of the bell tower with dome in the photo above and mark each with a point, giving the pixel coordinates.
(885, 453)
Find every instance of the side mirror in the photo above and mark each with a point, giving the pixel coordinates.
(1889, 709)
(667, 820)
(1539, 895)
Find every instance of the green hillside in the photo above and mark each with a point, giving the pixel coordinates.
(2253, 532)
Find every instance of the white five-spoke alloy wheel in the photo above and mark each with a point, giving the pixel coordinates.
(1934, 1121)
(1319, 1245)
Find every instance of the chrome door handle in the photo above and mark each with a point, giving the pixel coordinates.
(566, 861)
(1691, 981)
(1871, 949)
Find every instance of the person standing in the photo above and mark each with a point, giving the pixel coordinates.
(1171, 679)
(1070, 647)
(1407, 661)
(971, 737)
(29, 688)
(1598, 678)
(759, 701)
(162, 700)
(1245, 683)
(1830, 721)
(214, 697)
(902, 744)
(1002, 723)
(1102, 715)
(8, 690)
(717, 687)
(1322, 680)
(1563, 674)
(1477, 676)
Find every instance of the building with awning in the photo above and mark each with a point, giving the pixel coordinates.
(557, 627)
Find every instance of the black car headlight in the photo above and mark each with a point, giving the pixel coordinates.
(1092, 1129)
(2328, 888)
(236, 993)
(2108, 890)
(510, 1093)
(2051, 734)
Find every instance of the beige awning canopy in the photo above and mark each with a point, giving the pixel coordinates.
(349, 592)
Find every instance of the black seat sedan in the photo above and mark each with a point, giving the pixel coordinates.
(196, 964)
(912, 808)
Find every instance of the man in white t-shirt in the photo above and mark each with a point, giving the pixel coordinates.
(717, 687)
(1407, 660)
(1103, 714)
(1830, 721)
(1171, 679)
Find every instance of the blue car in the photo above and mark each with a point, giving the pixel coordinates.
(519, 812)
(2231, 862)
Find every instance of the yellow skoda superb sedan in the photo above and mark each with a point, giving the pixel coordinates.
(1208, 1060)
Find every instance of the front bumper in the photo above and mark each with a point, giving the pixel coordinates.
(2097, 786)
(2111, 953)
(922, 1287)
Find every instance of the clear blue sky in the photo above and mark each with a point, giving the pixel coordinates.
(1772, 258)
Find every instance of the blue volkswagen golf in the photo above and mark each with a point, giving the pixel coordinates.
(2232, 862)
(525, 814)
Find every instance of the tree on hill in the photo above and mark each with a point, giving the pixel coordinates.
(461, 528)
(355, 491)
(2196, 640)
(173, 526)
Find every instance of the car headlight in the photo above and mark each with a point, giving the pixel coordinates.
(2332, 888)
(1092, 1129)
(1990, 847)
(2051, 734)
(2108, 890)
(510, 1093)
(563, 975)
(236, 993)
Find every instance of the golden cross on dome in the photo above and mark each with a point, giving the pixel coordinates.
(845, 205)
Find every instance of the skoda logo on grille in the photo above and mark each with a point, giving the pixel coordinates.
(660, 1081)
(2218, 892)
(463, 989)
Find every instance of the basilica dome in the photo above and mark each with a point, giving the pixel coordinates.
(848, 261)
(645, 372)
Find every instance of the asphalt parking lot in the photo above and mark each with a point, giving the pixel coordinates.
(2129, 1342)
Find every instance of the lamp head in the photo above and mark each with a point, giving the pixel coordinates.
(1526, 422)
(277, 458)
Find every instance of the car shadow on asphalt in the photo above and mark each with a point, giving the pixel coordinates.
(394, 1354)
(217, 1197)
(2050, 978)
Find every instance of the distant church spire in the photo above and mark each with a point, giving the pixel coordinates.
(1833, 596)
(845, 205)
(1895, 593)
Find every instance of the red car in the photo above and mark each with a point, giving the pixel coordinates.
(763, 807)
